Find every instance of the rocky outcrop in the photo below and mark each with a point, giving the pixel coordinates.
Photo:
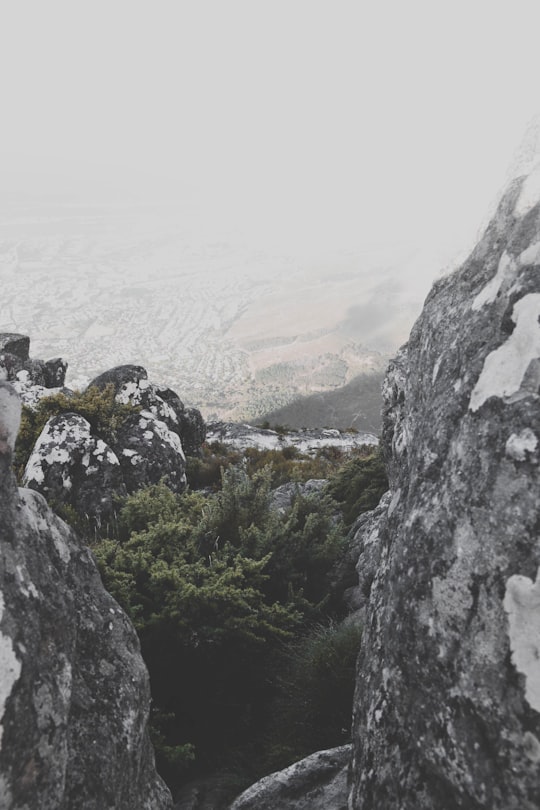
(71, 466)
(26, 373)
(119, 376)
(74, 692)
(305, 441)
(15, 344)
(447, 706)
(318, 782)
(163, 403)
(148, 451)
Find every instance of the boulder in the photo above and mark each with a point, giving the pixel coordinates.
(148, 451)
(447, 705)
(318, 782)
(55, 373)
(166, 406)
(146, 396)
(71, 466)
(12, 343)
(16, 365)
(119, 376)
(74, 691)
(133, 387)
(192, 430)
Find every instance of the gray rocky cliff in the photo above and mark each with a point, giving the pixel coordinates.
(447, 705)
(74, 691)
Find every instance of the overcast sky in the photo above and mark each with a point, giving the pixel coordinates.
(291, 122)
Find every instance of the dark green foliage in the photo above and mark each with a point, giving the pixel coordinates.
(235, 610)
(215, 586)
(359, 485)
(288, 463)
(98, 407)
(315, 693)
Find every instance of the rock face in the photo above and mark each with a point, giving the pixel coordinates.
(318, 782)
(74, 692)
(71, 466)
(149, 451)
(447, 706)
(17, 366)
(163, 403)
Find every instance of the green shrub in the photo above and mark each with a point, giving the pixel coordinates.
(358, 485)
(316, 680)
(215, 586)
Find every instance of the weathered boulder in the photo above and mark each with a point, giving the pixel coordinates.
(148, 451)
(74, 692)
(55, 372)
(318, 782)
(119, 376)
(447, 706)
(12, 343)
(16, 365)
(192, 430)
(71, 466)
(133, 387)
(145, 395)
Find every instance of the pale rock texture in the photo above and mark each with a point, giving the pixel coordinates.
(132, 387)
(318, 782)
(447, 705)
(16, 366)
(148, 451)
(74, 692)
(71, 466)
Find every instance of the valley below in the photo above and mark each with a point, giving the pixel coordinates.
(238, 332)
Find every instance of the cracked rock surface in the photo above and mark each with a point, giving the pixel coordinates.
(74, 691)
(447, 705)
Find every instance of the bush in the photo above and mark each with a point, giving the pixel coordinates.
(215, 586)
(359, 485)
(313, 708)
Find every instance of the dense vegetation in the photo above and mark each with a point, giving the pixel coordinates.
(238, 617)
(234, 600)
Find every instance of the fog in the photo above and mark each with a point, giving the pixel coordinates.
(373, 137)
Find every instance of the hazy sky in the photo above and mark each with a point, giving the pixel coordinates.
(295, 122)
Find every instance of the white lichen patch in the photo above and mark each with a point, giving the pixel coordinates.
(530, 192)
(505, 270)
(505, 368)
(167, 436)
(25, 584)
(522, 604)
(519, 445)
(530, 255)
(436, 369)
(10, 669)
(10, 415)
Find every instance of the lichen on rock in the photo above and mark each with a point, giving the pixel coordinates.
(74, 691)
(447, 706)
